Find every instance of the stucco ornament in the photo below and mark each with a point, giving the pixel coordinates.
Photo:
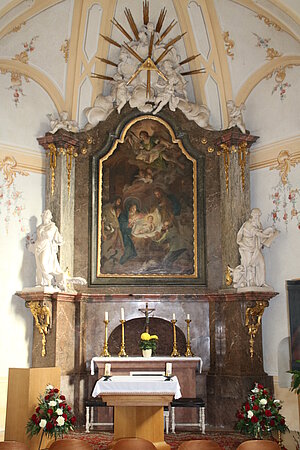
(62, 122)
(251, 238)
(48, 271)
(235, 115)
(148, 78)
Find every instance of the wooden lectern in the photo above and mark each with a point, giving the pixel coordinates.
(138, 405)
(139, 416)
(24, 388)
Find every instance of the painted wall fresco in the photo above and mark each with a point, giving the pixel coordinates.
(147, 215)
(11, 200)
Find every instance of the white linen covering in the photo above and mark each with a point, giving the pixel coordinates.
(137, 385)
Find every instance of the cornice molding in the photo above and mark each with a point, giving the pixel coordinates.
(266, 155)
(27, 159)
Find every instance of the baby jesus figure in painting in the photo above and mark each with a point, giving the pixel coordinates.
(144, 226)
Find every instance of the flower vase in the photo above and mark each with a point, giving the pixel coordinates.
(147, 352)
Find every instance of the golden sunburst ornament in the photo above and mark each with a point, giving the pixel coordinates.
(154, 47)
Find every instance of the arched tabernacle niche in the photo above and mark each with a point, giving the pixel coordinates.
(133, 330)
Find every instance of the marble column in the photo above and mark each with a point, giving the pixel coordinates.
(61, 149)
(234, 191)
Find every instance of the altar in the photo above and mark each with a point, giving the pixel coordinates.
(186, 369)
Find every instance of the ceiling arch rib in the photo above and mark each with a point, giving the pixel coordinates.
(261, 74)
(35, 75)
(37, 7)
(250, 4)
(83, 67)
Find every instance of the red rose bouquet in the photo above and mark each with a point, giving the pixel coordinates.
(260, 414)
(53, 416)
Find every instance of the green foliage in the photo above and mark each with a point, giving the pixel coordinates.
(295, 380)
(260, 414)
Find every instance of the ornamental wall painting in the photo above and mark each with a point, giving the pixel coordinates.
(147, 214)
(285, 196)
(11, 199)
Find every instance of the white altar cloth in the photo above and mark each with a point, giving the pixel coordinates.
(137, 385)
(166, 359)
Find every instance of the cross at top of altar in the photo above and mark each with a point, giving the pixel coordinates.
(137, 360)
(147, 311)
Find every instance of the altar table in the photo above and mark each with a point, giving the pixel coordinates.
(138, 405)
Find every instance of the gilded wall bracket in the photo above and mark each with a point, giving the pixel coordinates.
(253, 318)
(42, 316)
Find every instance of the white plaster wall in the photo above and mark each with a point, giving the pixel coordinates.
(282, 263)
(17, 270)
(269, 116)
(22, 124)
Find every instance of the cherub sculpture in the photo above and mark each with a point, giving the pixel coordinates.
(62, 122)
(235, 115)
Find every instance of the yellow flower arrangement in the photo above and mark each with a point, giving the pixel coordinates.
(148, 341)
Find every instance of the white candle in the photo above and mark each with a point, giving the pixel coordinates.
(106, 316)
(187, 317)
(174, 317)
(122, 314)
(107, 368)
(168, 369)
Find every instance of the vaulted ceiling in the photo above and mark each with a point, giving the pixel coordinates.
(250, 50)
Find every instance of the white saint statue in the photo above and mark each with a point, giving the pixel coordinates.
(48, 271)
(251, 238)
(45, 250)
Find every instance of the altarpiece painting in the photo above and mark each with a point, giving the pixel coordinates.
(148, 208)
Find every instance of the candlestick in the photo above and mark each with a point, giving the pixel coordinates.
(188, 343)
(122, 314)
(168, 369)
(122, 351)
(107, 368)
(105, 351)
(175, 351)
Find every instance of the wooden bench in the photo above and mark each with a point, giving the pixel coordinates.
(185, 402)
(90, 404)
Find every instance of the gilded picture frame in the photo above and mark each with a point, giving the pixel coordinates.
(148, 218)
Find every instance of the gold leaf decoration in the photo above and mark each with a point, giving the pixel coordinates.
(65, 48)
(268, 22)
(229, 44)
(272, 53)
(8, 165)
(284, 163)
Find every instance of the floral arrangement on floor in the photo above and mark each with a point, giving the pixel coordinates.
(53, 416)
(148, 342)
(260, 414)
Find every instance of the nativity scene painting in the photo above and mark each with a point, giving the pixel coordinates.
(147, 221)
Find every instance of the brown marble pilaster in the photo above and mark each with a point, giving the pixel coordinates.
(232, 370)
(65, 343)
